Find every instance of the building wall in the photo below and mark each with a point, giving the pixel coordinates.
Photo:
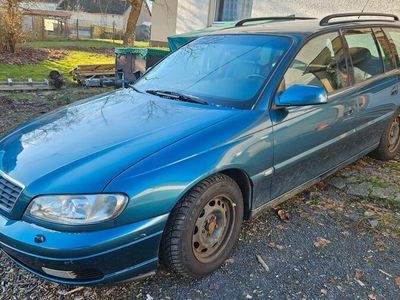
(164, 20)
(107, 20)
(320, 8)
(193, 15)
(90, 19)
(87, 19)
(180, 16)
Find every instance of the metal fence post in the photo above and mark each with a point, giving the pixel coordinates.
(43, 28)
(77, 29)
(113, 33)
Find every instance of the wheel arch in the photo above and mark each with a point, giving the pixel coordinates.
(240, 177)
(245, 185)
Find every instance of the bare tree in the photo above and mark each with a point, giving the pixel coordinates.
(129, 35)
(10, 25)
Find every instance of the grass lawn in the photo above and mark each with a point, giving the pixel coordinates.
(79, 54)
(84, 43)
(40, 71)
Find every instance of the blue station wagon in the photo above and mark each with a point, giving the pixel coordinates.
(166, 170)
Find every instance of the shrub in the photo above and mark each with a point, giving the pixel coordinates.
(10, 26)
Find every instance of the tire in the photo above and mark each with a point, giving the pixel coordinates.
(390, 141)
(203, 227)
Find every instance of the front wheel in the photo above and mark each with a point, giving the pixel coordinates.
(203, 227)
(390, 141)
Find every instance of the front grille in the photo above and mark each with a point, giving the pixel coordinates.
(9, 192)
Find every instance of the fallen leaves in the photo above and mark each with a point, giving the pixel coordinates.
(31, 56)
(359, 276)
(276, 246)
(321, 242)
(283, 215)
(397, 281)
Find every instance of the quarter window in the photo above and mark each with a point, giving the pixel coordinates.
(364, 54)
(320, 62)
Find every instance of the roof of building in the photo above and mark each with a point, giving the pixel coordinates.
(47, 13)
(112, 7)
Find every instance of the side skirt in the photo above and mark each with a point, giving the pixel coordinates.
(288, 195)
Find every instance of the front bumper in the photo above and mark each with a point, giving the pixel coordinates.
(84, 258)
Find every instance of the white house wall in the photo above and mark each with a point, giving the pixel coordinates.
(164, 20)
(179, 16)
(88, 19)
(192, 15)
(319, 8)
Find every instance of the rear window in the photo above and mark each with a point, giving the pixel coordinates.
(387, 53)
(364, 54)
(394, 36)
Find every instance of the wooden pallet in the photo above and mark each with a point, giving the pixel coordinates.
(82, 72)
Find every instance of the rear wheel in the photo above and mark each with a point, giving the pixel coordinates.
(203, 227)
(390, 141)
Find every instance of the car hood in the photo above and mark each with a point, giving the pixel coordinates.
(80, 148)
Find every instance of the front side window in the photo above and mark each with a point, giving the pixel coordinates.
(386, 50)
(320, 62)
(364, 54)
(228, 70)
(231, 10)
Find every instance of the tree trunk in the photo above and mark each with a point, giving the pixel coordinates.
(129, 35)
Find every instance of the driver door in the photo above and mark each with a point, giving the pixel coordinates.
(311, 140)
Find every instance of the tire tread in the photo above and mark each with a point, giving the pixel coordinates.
(170, 253)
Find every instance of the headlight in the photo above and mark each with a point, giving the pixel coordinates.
(77, 209)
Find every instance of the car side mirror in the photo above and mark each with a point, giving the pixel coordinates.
(302, 95)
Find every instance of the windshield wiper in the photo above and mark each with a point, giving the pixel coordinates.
(177, 96)
(135, 89)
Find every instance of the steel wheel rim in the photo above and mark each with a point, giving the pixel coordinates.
(394, 135)
(213, 227)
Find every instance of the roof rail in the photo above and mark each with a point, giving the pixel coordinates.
(288, 18)
(326, 21)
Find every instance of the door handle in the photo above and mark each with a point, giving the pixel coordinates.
(349, 112)
(394, 91)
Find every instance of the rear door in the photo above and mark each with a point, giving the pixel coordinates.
(393, 38)
(311, 140)
(375, 82)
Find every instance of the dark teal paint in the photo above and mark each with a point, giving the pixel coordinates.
(155, 150)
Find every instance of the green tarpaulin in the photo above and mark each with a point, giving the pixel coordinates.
(177, 41)
(143, 52)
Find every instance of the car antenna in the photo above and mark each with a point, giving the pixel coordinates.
(365, 6)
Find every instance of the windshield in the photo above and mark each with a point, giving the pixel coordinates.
(227, 70)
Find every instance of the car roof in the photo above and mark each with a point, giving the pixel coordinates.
(303, 28)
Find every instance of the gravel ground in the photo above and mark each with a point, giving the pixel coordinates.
(341, 241)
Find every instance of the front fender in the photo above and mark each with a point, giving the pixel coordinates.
(158, 182)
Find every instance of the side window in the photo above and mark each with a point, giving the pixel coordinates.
(321, 63)
(393, 35)
(385, 46)
(364, 54)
